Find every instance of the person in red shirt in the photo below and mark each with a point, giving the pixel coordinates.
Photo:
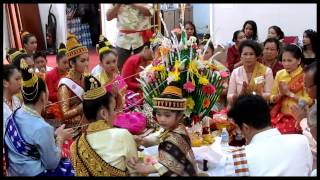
(132, 66)
(271, 52)
(53, 77)
(233, 55)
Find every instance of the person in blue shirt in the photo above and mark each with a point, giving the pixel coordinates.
(30, 142)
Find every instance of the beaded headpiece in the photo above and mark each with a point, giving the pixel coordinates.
(74, 47)
(95, 90)
(62, 48)
(170, 103)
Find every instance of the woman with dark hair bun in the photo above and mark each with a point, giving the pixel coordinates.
(29, 42)
(233, 55)
(288, 90)
(250, 30)
(275, 32)
(252, 77)
(32, 147)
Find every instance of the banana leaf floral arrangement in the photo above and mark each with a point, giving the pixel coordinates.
(181, 61)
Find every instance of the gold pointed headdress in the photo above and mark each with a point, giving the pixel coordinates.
(95, 91)
(74, 48)
(170, 103)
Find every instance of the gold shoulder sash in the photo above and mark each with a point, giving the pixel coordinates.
(87, 162)
(259, 70)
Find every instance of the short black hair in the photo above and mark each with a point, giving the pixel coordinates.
(312, 67)
(252, 44)
(294, 49)
(91, 107)
(8, 70)
(272, 40)
(278, 30)
(40, 54)
(235, 35)
(254, 28)
(252, 110)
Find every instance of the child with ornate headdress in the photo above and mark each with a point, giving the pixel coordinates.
(70, 87)
(102, 150)
(176, 157)
(32, 147)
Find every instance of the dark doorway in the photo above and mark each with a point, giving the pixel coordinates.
(83, 20)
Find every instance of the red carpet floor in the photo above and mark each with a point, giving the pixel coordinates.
(93, 59)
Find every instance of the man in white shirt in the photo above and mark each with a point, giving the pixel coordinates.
(268, 152)
(134, 23)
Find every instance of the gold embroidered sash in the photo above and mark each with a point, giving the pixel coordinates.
(259, 71)
(87, 162)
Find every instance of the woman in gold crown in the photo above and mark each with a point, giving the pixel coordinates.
(29, 42)
(101, 150)
(70, 87)
(32, 147)
(176, 157)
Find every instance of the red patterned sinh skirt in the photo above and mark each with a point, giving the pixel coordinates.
(286, 124)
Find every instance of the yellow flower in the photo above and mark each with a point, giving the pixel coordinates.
(190, 103)
(158, 68)
(175, 75)
(203, 80)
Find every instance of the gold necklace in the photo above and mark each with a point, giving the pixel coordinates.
(99, 125)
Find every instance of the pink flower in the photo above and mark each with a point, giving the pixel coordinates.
(224, 74)
(149, 160)
(194, 46)
(189, 87)
(209, 89)
(151, 77)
